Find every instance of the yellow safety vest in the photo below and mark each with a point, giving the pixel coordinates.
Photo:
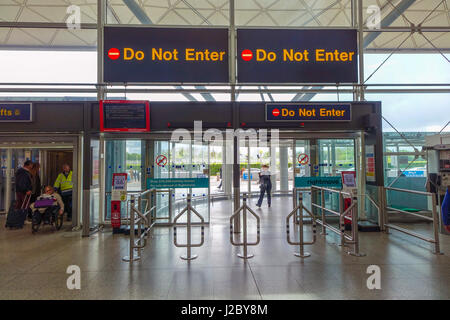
(64, 183)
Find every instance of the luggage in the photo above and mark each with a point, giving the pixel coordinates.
(16, 217)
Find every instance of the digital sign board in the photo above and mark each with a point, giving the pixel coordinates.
(124, 116)
(297, 56)
(308, 112)
(153, 54)
(16, 112)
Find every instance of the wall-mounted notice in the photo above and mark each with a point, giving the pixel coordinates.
(124, 115)
(149, 54)
(370, 163)
(297, 56)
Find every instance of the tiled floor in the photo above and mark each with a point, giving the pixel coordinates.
(34, 266)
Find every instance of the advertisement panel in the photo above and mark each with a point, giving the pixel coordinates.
(297, 56)
(153, 54)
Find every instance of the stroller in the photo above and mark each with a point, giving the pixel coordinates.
(49, 217)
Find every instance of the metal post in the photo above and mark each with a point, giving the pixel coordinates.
(342, 218)
(100, 27)
(322, 204)
(301, 253)
(361, 49)
(245, 255)
(188, 255)
(435, 224)
(132, 257)
(355, 233)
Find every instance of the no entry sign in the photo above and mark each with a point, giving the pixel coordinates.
(161, 160)
(303, 158)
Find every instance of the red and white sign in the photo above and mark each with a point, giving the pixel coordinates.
(303, 158)
(114, 53)
(115, 214)
(161, 160)
(118, 194)
(247, 55)
(276, 112)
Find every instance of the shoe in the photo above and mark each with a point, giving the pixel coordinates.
(269, 205)
(258, 205)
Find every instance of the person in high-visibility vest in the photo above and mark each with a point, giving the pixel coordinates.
(64, 184)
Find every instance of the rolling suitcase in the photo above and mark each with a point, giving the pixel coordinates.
(16, 217)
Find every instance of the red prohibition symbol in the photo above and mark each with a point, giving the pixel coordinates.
(247, 55)
(303, 158)
(161, 160)
(276, 112)
(114, 53)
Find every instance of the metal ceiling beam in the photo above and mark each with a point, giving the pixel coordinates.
(138, 11)
(389, 19)
(144, 19)
(396, 12)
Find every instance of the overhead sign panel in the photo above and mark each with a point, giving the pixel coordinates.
(308, 112)
(16, 112)
(124, 115)
(150, 54)
(297, 56)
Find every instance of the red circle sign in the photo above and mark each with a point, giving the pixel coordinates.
(161, 160)
(114, 53)
(276, 112)
(303, 158)
(247, 55)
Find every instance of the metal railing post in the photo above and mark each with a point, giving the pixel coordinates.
(189, 245)
(355, 231)
(297, 214)
(437, 249)
(132, 256)
(322, 204)
(245, 242)
(342, 218)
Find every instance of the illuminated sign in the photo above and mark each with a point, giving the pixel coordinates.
(308, 112)
(124, 115)
(145, 54)
(297, 56)
(327, 182)
(16, 112)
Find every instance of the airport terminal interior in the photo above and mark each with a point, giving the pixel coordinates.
(225, 149)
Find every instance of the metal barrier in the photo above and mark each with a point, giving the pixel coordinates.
(342, 214)
(188, 225)
(297, 215)
(434, 218)
(142, 218)
(245, 242)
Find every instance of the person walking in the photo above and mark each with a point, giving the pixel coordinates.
(35, 182)
(23, 183)
(64, 183)
(265, 185)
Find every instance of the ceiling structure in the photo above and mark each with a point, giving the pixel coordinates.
(40, 24)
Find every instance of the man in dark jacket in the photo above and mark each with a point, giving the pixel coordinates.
(23, 183)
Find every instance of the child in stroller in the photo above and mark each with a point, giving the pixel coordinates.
(48, 208)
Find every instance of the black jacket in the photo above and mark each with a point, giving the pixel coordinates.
(23, 180)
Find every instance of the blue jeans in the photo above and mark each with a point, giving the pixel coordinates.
(264, 189)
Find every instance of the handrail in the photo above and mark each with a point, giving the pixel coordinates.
(245, 242)
(188, 225)
(345, 238)
(141, 241)
(434, 218)
(297, 214)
